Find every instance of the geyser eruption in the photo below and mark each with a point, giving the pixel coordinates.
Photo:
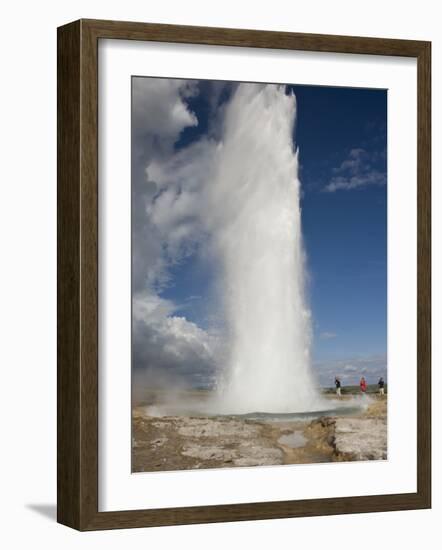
(258, 240)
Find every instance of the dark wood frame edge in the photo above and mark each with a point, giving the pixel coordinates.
(77, 277)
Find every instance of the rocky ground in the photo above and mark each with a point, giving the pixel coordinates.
(162, 443)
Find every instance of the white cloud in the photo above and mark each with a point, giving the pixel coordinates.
(167, 184)
(181, 182)
(165, 212)
(160, 114)
(159, 108)
(168, 345)
(356, 171)
(350, 369)
(327, 335)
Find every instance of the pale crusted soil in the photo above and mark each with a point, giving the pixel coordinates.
(171, 443)
(363, 438)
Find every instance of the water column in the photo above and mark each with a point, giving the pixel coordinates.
(255, 195)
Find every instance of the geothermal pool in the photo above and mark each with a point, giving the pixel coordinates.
(206, 405)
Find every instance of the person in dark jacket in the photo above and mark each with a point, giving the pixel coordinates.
(338, 386)
(381, 385)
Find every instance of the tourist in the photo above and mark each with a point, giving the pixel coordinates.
(363, 385)
(381, 385)
(338, 386)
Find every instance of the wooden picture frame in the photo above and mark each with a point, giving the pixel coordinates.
(77, 459)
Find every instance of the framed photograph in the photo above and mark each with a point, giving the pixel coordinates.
(243, 275)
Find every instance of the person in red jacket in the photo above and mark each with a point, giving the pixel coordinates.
(363, 385)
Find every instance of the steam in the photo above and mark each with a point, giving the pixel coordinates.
(256, 228)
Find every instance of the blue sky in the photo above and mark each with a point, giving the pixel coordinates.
(341, 134)
(345, 231)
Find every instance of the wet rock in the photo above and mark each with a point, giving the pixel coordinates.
(326, 421)
(209, 453)
(159, 442)
(211, 427)
(259, 456)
